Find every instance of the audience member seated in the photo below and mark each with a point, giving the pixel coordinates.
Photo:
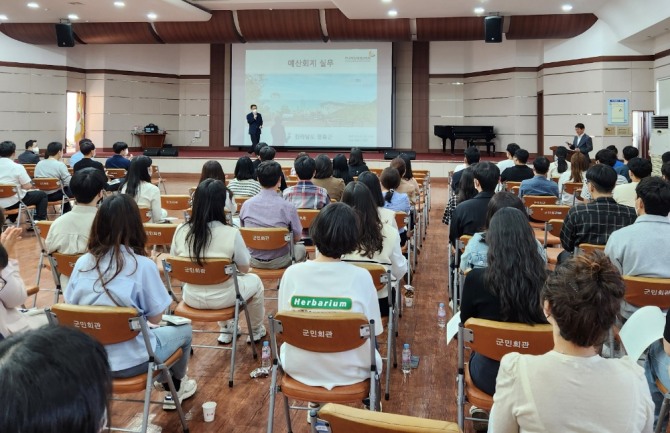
(138, 185)
(213, 170)
(325, 179)
(257, 152)
(356, 162)
(638, 169)
(115, 272)
(606, 157)
(269, 209)
(471, 158)
(594, 222)
(469, 217)
(387, 216)
(297, 157)
(618, 163)
(207, 236)
(572, 388)
(77, 156)
(69, 234)
(306, 195)
(15, 174)
(560, 166)
(31, 155)
(477, 249)
(520, 171)
(629, 152)
(507, 290)
(379, 243)
(408, 184)
(267, 153)
(12, 290)
(539, 184)
(634, 250)
(74, 380)
(665, 171)
(509, 153)
(395, 201)
(121, 157)
(657, 367)
(244, 184)
(579, 163)
(341, 168)
(87, 150)
(52, 166)
(465, 192)
(335, 232)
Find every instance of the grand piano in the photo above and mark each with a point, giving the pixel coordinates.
(470, 134)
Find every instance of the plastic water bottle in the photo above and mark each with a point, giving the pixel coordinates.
(441, 316)
(266, 355)
(406, 359)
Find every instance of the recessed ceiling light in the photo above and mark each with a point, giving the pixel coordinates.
(119, 4)
(387, 1)
(479, 10)
(73, 16)
(566, 8)
(152, 16)
(3, 18)
(393, 13)
(33, 5)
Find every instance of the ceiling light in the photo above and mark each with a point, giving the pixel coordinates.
(393, 13)
(479, 10)
(387, 1)
(3, 18)
(119, 4)
(152, 16)
(566, 8)
(33, 5)
(73, 16)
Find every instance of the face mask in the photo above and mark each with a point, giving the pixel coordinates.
(36, 150)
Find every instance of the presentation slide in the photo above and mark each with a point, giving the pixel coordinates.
(325, 95)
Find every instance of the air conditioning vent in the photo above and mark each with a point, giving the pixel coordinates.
(659, 122)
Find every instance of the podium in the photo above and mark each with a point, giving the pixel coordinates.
(151, 140)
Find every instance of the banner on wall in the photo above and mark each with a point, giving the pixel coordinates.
(617, 111)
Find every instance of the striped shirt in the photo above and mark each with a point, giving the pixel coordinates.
(246, 188)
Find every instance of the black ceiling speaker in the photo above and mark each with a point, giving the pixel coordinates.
(64, 35)
(493, 27)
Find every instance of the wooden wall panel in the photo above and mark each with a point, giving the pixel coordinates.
(420, 78)
(220, 29)
(280, 25)
(450, 29)
(116, 33)
(30, 33)
(217, 94)
(341, 28)
(549, 26)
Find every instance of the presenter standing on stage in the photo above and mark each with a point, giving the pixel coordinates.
(582, 141)
(255, 121)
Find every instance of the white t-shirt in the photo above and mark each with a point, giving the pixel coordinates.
(625, 194)
(330, 279)
(13, 174)
(553, 170)
(148, 195)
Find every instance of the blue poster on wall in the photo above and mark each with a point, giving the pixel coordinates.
(617, 111)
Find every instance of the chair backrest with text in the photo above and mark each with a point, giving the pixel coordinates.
(546, 212)
(175, 201)
(108, 325)
(213, 271)
(266, 238)
(65, 262)
(307, 217)
(159, 234)
(644, 291)
(496, 339)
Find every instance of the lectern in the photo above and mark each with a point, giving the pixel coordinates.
(151, 140)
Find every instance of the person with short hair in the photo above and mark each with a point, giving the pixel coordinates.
(324, 178)
(208, 235)
(213, 170)
(581, 141)
(336, 232)
(560, 165)
(53, 167)
(255, 121)
(77, 156)
(138, 185)
(341, 168)
(268, 209)
(356, 162)
(87, 149)
(257, 152)
(121, 157)
(306, 195)
(509, 153)
(469, 216)
(244, 184)
(629, 152)
(267, 153)
(74, 373)
(69, 234)
(665, 171)
(638, 169)
(572, 388)
(116, 273)
(520, 171)
(594, 222)
(606, 157)
(665, 158)
(472, 157)
(539, 184)
(15, 174)
(618, 162)
(31, 155)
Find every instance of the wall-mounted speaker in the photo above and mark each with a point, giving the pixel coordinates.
(493, 27)
(64, 35)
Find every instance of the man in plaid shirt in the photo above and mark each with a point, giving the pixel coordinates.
(306, 195)
(593, 223)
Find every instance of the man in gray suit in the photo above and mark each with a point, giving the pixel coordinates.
(582, 141)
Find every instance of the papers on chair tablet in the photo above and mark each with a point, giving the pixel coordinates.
(452, 327)
(169, 319)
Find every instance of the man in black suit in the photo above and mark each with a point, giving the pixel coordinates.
(582, 141)
(255, 121)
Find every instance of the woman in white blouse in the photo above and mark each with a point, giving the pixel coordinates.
(138, 185)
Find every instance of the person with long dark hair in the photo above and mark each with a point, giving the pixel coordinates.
(356, 162)
(406, 186)
(378, 242)
(507, 290)
(207, 235)
(341, 168)
(560, 165)
(579, 163)
(370, 179)
(213, 170)
(138, 185)
(572, 388)
(244, 183)
(116, 272)
(324, 178)
(466, 191)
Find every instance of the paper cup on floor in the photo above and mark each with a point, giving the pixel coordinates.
(208, 410)
(409, 302)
